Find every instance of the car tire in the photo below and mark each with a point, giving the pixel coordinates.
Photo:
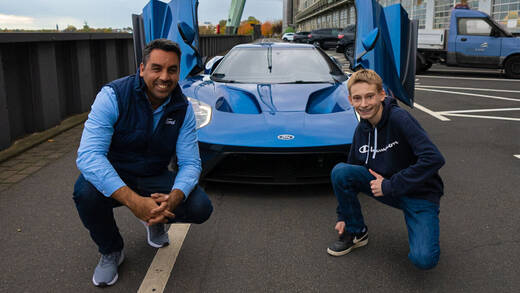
(512, 67)
(349, 51)
(420, 67)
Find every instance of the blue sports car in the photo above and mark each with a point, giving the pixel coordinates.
(271, 113)
(278, 113)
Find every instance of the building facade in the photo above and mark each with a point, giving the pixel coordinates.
(307, 15)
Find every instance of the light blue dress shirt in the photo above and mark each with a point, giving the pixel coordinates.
(97, 135)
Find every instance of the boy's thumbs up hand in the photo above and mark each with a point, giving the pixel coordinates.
(375, 185)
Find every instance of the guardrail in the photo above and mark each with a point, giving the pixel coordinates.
(47, 77)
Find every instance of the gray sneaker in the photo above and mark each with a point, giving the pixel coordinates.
(105, 273)
(156, 235)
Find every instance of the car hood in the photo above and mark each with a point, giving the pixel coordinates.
(274, 115)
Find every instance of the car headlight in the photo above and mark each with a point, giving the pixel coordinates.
(202, 112)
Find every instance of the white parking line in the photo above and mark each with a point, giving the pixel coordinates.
(159, 271)
(478, 110)
(467, 88)
(517, 156)
(466, 70)
(428, 111)
(468, 94)
(484, 117)
(471, 78)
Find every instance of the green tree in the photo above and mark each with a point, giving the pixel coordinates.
(252, 19)
(289, 30)
(277, 28)
(70, 29)
(222, 24)
(85, 26)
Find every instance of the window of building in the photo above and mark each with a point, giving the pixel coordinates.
(506, 13)
(352, 15)
(416, 9)
(442, 10)
(343, 17)
(441, 17)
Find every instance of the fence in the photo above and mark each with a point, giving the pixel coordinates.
(47, 77)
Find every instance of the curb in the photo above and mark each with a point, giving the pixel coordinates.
(23, 144)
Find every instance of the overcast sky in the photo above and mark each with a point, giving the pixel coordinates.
(45, 14)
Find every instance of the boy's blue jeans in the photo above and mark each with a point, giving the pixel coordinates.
(96, 210)
(421, 216)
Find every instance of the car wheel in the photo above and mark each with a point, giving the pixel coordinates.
(419, 66)
(349, 52)
(512, 67)
(284, 39)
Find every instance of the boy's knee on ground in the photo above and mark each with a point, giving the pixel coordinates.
(424, 260)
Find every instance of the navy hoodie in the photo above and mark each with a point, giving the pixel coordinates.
(399, 149)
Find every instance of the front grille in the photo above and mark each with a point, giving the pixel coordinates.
(272, 168)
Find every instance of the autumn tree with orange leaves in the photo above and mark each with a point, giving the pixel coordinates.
(246, 27)
(267, 29)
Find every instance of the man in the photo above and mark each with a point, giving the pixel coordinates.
(136, 125)
(392, 160)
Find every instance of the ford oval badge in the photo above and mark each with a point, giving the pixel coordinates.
(285, 137)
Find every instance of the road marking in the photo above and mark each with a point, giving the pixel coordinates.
(517, 156)
(159, 271)
(468, 70)
(469, 94)
(468, 88)
(478, 110)
(471, 78)
(484, 117)
(428, 111)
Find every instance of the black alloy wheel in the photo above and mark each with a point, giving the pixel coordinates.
(512, 67)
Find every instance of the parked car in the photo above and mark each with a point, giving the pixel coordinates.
(474, 39)
(347, 38)
(288, 37)
(301, 37)
(263, 115)
(271, 120)
(324, 38)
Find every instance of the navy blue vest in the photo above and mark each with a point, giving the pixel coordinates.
(136, 148)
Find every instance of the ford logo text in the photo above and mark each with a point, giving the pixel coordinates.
(285, 137)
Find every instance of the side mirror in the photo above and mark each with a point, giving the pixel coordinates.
(188, 36)
(369, 42)
(212, 64)
(187, 33)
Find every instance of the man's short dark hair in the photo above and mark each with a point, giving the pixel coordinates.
(161, 44)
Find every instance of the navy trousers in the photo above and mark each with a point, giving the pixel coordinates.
(96, 210)
(421, 216)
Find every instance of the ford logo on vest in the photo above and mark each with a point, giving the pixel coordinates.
(285, 137)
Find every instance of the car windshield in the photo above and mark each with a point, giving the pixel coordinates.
(267, 64)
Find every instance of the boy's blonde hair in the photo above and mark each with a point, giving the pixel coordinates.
(365, 75)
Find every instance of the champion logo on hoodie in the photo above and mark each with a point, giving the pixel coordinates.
(365, 148)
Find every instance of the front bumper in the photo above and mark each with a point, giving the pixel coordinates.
(282, 166)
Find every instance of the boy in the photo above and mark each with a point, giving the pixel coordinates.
(393, 160)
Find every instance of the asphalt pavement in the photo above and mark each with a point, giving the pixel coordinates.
(274, 239)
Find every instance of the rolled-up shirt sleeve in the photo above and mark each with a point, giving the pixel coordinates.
(97, 134)
(188, 157)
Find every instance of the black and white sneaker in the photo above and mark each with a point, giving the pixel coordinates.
(347, 242)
